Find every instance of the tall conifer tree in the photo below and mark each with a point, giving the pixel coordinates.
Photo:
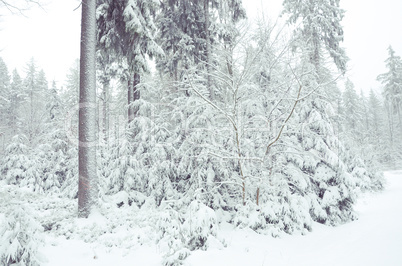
(88, 182)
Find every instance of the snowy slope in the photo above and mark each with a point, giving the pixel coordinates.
(374, 239)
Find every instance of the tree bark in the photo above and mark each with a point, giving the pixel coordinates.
(208, 50)
(88, 181)
(105, 111)
(136, 91)
(129, 100)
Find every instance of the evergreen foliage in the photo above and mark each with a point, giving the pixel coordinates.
(236, 124)
(392, 81)
(21, 236)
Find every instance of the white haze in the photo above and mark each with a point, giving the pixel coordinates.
(51, 35)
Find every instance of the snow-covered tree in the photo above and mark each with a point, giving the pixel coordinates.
(87, 129)
(5, 101)
(319, 25)
(375, 117)
(392, 81)
(34, 94)
(18, 167)
(352, 116)
(351, 110)
(21, 237)
(190, 32)
(16, 103)
(72, 87)
(331, 182)
(182, 35)
(126, 29)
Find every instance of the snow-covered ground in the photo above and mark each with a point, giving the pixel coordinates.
(374, 239)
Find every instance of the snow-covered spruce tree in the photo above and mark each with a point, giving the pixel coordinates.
(70, 96)
(16, 103)
(38, 159)
(352, 113)
(180, 231)
(353, 120)
(392, 82)
(106, 71)
(356, 133)
(331, 184)
(365, 172)
(69, 187)
(52, 153)
(20, 235)
(392, 93)
(34, 93)
(320, 29)
(18, 167)
(188, 69)
(120, 165)
(126, 29)
(314, 151)
(72, 88)
(377, 119)
(365, 117)
(5, 99)
(153, 152)
(183, 35)
(53, 159)
(170, 237)
(190, 32)
(141, 159)
(126, 35)
(200, 175)
(177, 24)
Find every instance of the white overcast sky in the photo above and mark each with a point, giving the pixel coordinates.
(52, 36)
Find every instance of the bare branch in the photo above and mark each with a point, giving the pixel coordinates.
(212, 104)
(284, 123)
(16, 8)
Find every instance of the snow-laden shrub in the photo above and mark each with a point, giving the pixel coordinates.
(103, 156)
(248, 216)
(18, 167)
(289, 214)
(283, 199)
(197, 172)
(366, 178)
(171, 239)
(70, 184)
(142, 158)
(50, 179)
(335, 193)
(181, 232)
(200, 223)
(53, 158)
(20, 238)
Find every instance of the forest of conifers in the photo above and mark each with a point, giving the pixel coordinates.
(199, 112)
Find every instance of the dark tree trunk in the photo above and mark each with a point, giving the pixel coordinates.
(136, 92)
(88, 183)
(130, 115)
(105, 111)
(208, 50)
